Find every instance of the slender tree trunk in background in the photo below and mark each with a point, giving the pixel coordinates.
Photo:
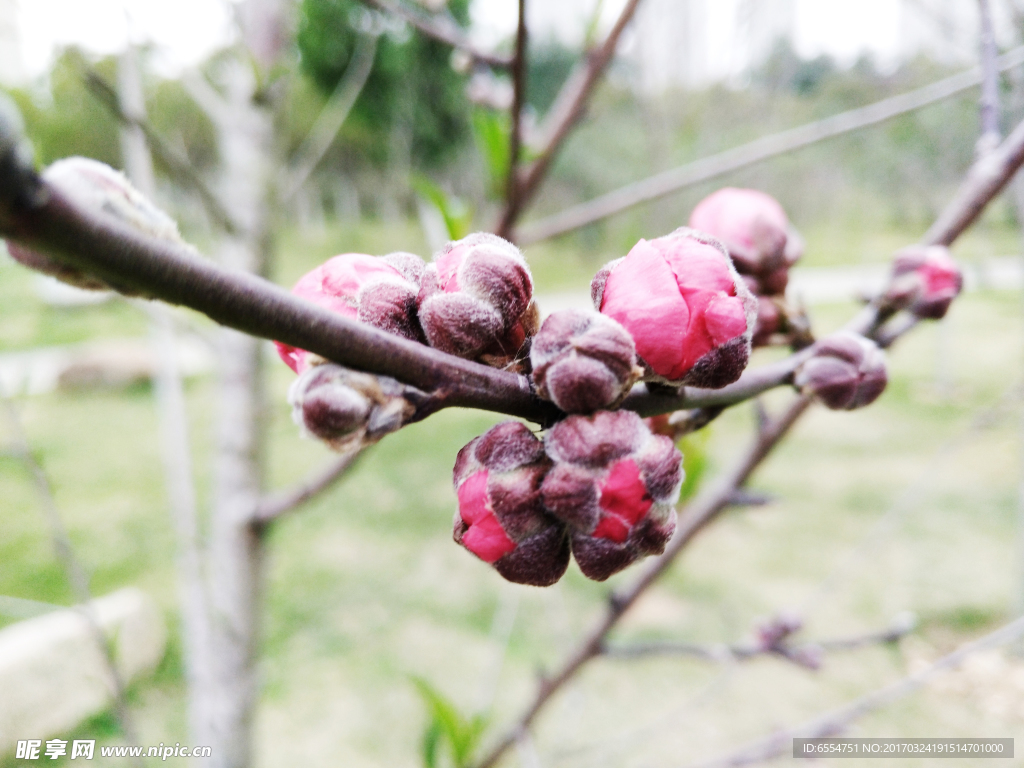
(173, 427)
(245, 124)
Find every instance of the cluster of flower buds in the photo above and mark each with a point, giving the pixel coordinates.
(583, 361)
(97, 186)
(603, 482)
(925, 280)
(687, 309)
(845, 371)
(763, 245)
(476, 300)
(346, 408)
(501, 517)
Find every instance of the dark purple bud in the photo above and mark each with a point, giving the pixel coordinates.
(344, 408)
(501, 517)
(582, 361)
(769, 321)
(613, 483)
(476, 300)
(847, 371)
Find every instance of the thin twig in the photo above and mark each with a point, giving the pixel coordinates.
(989, 106)
(332, 117)
(276, 505)
(840, 719)
(179, 166)
(519, 70)
(73, 568)
(443, 29)
(568, 108)
(764, 148)
(750, 650)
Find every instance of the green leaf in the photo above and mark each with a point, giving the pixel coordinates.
(695, 461)
(448, 728)
(458, 217)
(492, 131)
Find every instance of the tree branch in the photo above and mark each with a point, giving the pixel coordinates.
(332, 117)
(990, 133)
(442, 29)
(280, 503)
(764, 148)
(179, 166)
(569, 106)
(839, 719)
(519, 69)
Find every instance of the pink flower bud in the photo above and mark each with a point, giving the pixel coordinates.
(613, 483)
(343, 407)
(97, 187)
(685, 306)
(582, 361)
(925, 280)
(501, 517)
(753, 227)
(378, 291)
(847, 371)
(476, 300)
(769, 321)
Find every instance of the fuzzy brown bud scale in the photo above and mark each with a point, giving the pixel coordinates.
(501, 516)
(346, 408)
(613, 483)
(476, 301)
(583, 361)
(846, 371)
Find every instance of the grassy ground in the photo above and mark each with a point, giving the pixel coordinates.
(365, 588)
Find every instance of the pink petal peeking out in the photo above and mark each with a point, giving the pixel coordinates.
(485, 537)
(677, 298)
(624, 502)
(941, 277)
(334, 286)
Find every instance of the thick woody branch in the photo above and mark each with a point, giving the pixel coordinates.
(569, 106)
(179, 166)
(838, 720)
(756, 151)
(442, 29)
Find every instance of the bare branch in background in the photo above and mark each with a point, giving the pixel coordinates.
(839, 720)
(519, 71)
(705, 169)
(805, 653)
(989, 107)
(179, 166)
(280, 503)
(568, 108)
(73, 568)
(440, 28)
(331, 118)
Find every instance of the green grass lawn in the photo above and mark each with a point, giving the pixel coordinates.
(365, 588)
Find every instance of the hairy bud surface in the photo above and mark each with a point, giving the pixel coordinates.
(378, 291)
(501, 517)
(476, 300)
(846, 371)
(613, 483)
(582, 361)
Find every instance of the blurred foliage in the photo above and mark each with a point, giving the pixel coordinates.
(491, 131)
(448, 731)
(413, 102)
(457, 215)
(550, 65)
